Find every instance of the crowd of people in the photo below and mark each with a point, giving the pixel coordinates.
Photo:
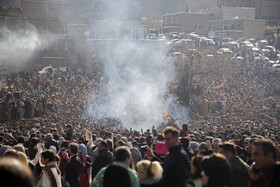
(46, 138)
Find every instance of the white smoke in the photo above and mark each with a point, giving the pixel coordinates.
(18, 46)
(137, 74)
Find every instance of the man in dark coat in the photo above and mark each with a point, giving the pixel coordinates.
(240, 170)
(103, 159)
(176, 166)
(73, 168)
(51, 142)
(265, 172)
(69, 132)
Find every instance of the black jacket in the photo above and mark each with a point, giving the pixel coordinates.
(50, 143)
(104, 158)
(176, 168)
(73, 171)
(240, 172)
(269, 178)
(69, 134)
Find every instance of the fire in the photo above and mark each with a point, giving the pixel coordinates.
(166, 117)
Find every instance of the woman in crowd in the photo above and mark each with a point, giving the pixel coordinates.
(184, 130)
(196, 178)
(50, 175)
(160, 147)
(149, 173)
(216, 171)
(85, 160)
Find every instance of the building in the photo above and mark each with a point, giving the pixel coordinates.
(229, 13)
(116, 30)
(235, 3)
(48, 17)
(234, 22)
(265, 9)
(238, 28)
(185, 22)
(152, 23)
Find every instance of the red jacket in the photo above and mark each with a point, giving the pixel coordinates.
(161, 148)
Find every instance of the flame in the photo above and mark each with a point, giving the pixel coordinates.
(166, 117)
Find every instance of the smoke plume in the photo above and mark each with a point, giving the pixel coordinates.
(137, 74)
(18, 46)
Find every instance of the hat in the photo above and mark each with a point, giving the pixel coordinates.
(193, 146)
(68, 125)
(53, 148)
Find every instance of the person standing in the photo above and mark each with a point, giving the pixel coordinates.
(122, 157)
(240, 170)
(50, 175)
(135, 153)
(149, 173)
(73, 168)
(176, 166)
(216, 171)
(265, 172)
(104, 158)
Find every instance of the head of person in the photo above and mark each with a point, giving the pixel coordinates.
(13, 173)
(109, 144)
(216, 171)
(108, 135)
(73, 148)
(103, 145)
(49, 137)
(81, 140)
(122, 154)
(34, 141)
(171, 137)
(246, 143)
(251, 143)
(263, 154)
(116, 175)
(215, 145)
(47, 156)
(64, 144)
(196, 167)
(19, 147)
(12, 153)
(135, 144)
(193, 147)
(202, 149)
(227, 149)
(120, 143)
(68, 127)
(147, 169)
(22, 158)
(21, 140)
(160, 137)
(185, 127)
(185, 143)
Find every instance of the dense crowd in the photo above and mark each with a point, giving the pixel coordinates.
(232, 138)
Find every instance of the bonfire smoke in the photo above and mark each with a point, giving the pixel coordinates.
(137, 74)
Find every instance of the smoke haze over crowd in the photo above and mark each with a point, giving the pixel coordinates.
(137, 74)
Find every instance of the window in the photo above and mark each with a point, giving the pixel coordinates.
(172, 20)
(165, 20)
(65, 45)
(177, 20)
